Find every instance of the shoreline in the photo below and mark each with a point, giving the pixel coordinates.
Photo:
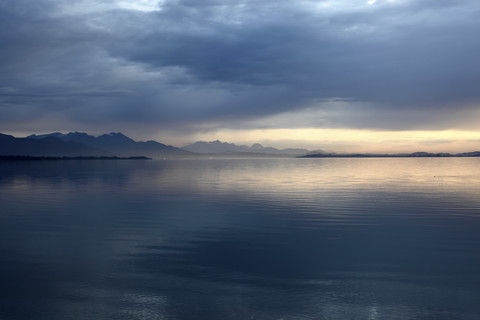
(39, 158)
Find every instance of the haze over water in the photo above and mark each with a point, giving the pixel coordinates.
(240, 239)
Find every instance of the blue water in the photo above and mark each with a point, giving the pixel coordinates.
(240, 239)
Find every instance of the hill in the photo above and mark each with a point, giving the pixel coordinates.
(402, 155)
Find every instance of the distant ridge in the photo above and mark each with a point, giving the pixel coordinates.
(83, 144)
(379, 155)
(118, 144)
(46, 146)
(217, 147)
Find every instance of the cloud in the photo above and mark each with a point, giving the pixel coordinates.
(202, 64)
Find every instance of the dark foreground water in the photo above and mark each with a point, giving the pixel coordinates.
(240, 239)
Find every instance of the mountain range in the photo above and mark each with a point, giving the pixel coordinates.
(216, 147)
(117, 144)
(82, 144)
(47, 146)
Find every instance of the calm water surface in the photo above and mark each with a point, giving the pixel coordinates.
(240, 239)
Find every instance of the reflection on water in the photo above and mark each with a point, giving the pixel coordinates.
(240, 239)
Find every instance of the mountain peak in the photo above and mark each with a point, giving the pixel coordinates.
(115, 136)
(76, 133)
(41, 136)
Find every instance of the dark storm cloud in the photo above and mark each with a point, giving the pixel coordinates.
(400, 64)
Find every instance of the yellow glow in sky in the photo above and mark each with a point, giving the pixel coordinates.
(330, 140)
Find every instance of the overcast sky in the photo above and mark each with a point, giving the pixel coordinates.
(304, 72)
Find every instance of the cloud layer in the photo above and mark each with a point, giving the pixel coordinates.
(192, 65)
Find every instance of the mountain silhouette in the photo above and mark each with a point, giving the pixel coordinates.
(46, 146)
(229, 148)
(83, 144)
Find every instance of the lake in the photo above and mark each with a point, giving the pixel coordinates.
(386, 238)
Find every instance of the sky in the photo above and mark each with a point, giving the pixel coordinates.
(343, 76)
